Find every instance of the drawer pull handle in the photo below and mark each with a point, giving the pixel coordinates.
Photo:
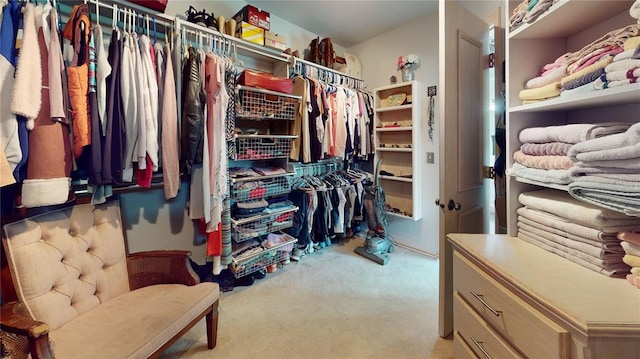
(479, 297)
(479, 345)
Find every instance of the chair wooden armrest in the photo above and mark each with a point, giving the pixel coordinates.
(17, 328)
(160, 267)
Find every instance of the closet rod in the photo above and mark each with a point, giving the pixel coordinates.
(238, 43)
(359, 82)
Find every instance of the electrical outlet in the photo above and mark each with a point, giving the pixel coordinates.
(431, 91)
(430, 157)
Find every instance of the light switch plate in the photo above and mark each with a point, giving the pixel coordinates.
(430, 157)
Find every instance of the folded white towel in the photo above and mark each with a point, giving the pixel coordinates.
(622, 65)
(571, 133)
(563, 205)
(623, 74)
(630, 248)
(623, 55)
(549, 77)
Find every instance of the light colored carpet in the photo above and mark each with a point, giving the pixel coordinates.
(332, 304)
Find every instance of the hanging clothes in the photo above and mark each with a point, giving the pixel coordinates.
(9, 133)
(48, 178)
(192, 114)
(129, 91)
(170, 137)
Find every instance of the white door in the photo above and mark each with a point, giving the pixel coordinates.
(461, 105)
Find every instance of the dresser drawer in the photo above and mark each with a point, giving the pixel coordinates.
(460, 348)
(527, 329)
(477, 335)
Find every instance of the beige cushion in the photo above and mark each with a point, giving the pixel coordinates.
(135, 324)
(67, 262)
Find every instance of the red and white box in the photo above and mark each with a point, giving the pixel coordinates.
(253, 16)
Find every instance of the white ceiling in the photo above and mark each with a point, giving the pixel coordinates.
(347, 22)
(350, 22)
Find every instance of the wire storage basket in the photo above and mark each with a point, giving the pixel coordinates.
(258, 104)
(252, 227)
(260, 188)
(263, 147)
(244, 265)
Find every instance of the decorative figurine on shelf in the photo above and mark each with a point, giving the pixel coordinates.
(406, 64)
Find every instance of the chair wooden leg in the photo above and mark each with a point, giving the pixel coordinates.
(212, 326)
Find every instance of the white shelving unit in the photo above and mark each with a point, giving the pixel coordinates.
(567, 26)
(512, 298)
(397, 145)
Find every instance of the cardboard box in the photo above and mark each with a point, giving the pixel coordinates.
(250, 32)
(253, 16)
(275, 41)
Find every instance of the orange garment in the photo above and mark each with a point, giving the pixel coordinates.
(78, 80)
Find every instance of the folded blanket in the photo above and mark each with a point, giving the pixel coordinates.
(546, 149)
(612, 38)
(561, 177)
(543, 162)
(590, 87)
(620, 150)
(635, 271)
(541, 93)
(583, 79)
(614, 195)
(586, 248)
(549, 77)
(538, 9)
(615, 269)
(630, 248)
(577, 230)
(600, 64)
(571, 133)
(632, 236)
(564, 205)
(631, 260)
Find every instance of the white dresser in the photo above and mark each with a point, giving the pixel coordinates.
(515, 300)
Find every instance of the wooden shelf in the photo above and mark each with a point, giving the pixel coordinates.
(394, 129)
(388, 149)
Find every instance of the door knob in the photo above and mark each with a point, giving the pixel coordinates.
(441, 205)
(451, 205)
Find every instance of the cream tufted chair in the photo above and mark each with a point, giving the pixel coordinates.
(80, 296)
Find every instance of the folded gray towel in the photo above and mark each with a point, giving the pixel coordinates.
(619, 150)
(620, 196)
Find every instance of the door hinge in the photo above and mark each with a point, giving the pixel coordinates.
(488, 172)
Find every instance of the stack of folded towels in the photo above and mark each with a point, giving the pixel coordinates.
(624, 69)
(630, 242)
(580, 232)
(542, 157)
(607, 171)
(528, 11)
(606, 62)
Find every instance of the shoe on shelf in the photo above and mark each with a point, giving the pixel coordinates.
(286, 260)
(210, 21)
(272, 268)
(287, 51)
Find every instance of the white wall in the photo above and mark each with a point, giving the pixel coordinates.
(378, 58)
(297, 37)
